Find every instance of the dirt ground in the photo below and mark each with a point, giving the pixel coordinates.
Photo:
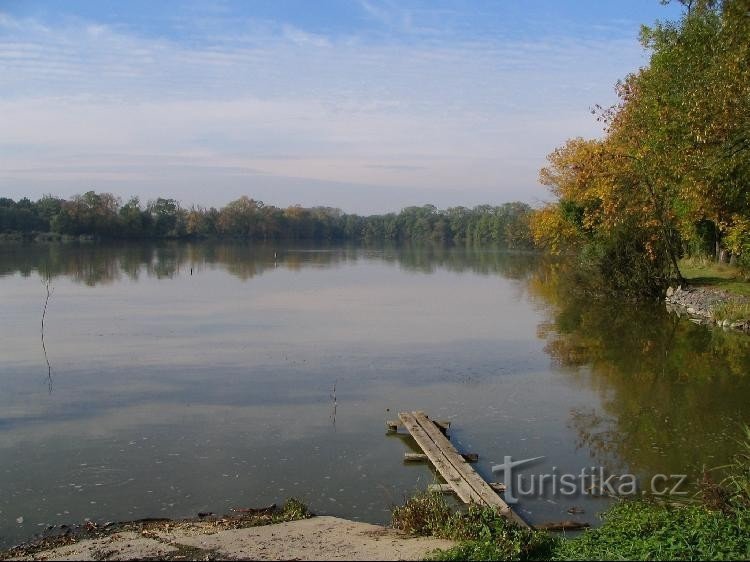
(317, 538)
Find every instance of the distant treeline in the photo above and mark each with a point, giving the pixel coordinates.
(103, 215)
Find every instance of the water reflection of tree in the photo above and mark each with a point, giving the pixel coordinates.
(95, 264)
(428, 258)
(673, 393)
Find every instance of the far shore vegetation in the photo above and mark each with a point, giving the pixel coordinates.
(105, 216)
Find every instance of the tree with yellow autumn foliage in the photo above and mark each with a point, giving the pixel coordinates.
(671, 175)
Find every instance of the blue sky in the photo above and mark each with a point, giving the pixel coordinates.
(369, 105)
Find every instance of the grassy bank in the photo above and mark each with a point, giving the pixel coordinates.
(708, 273)
(715, 525)
(631, 530)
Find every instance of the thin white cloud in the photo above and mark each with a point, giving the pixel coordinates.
(378, 13)
(396, 17)
(85, 102)
(303, 38)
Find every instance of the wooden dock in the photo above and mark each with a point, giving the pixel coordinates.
(463, 480)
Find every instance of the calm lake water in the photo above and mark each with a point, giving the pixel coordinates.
(189, 378)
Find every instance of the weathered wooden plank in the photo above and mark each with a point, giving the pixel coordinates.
(465, 482)
(448, 489)
(441, 488)
(415, 457)
(475, 481)
(453, 456)
(438, 459)
(421, 457)
(468, 474)
(443, 425)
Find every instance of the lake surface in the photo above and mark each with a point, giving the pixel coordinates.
(187, 378)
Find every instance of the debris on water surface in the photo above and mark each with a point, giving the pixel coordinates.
(563, 526)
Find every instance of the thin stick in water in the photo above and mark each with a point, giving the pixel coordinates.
(335, 404)
(49, 289)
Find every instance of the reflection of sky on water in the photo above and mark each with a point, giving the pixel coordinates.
(167, 322)
(174, 394)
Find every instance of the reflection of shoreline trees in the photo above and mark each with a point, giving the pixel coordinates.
(666, 384)
(94, 264)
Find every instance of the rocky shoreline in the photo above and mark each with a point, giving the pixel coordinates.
(706, 305)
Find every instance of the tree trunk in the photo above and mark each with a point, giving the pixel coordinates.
(717, 243)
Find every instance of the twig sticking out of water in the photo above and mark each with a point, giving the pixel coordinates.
(335, 404)
(49, 290)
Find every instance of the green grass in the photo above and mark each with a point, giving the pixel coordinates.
(732, 311)
(484, 534)
(632, 530)
(704, 272)
(716, 526)
(639, 530)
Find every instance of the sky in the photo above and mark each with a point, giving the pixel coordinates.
(366, 105)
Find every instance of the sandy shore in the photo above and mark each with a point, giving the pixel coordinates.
(317, 538)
